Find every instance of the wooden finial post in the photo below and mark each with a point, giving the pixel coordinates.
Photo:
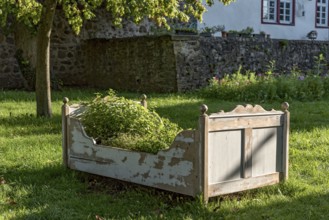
(143, 101)
(286, 128)
(203, 148)
(203, 109)
(65, 113)
(284, 106)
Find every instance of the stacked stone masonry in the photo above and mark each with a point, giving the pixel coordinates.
(131, 59)
(10, 75)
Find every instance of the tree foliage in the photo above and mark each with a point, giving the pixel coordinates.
(38, 16)
(76, 11)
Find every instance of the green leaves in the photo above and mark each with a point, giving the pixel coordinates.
(76, 11)
(268, 87)
(119, 122)
(27, 12)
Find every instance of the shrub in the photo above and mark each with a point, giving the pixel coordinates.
(287, 88)
(119, 122)
(267, 87)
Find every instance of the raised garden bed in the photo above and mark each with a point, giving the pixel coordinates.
(229, 152)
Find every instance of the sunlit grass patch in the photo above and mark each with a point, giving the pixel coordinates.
(35, 185)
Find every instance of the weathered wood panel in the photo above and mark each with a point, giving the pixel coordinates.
(241, 122)
(246, 163)
(242, 184)
(285, 140)
(65, 144)
(203, 153)
(266, 151)
(224, 155)
(175, 169)
(245, 149)
(239, 150)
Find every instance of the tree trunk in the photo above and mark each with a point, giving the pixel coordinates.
(42, 87)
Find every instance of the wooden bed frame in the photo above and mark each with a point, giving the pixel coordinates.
(229, 152)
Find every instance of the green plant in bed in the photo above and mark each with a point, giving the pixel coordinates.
(120, 122)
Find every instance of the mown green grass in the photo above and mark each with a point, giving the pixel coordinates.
(34, 184)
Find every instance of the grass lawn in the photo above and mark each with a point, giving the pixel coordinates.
(34, 184)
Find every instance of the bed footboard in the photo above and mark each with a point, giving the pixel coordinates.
(243, 149)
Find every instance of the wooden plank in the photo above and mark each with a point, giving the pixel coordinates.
(230, 123)
(242, 184)
(65, 113)
(266, 150)
(203, 146)
(198, 164)
(174, 169)
(224, 152)
(173, 182)
(246, 110)
(205, 161)
(246, 153)
(285, 155)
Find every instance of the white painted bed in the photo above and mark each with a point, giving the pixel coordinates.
(229, 152)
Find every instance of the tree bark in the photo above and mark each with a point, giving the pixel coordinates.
(43, 89)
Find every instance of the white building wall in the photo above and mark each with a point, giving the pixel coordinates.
(247, 13)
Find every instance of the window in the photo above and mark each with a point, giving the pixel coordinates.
(279, 11)
(322, 13)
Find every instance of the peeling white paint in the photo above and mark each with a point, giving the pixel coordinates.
(183, 167)
(184, 139)
(129, 165)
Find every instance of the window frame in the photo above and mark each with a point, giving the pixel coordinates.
(276, 20)
(326, 25)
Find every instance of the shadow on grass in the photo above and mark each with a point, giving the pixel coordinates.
(29, 96)
(314, 206)
(24, 124)
(56, 193)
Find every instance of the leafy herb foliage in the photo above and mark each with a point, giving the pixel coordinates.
(120, 122)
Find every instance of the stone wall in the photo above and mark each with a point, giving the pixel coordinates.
(183, 63)
(67, 63)
(10, 75)
(67, 57)
(227, 55)
(133, 64)
(200, 59)
(129, 59)
(191, 63)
